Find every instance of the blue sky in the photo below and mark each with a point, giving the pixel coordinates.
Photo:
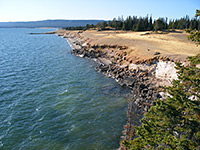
(31, 10)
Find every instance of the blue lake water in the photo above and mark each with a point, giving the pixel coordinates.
(52, 100)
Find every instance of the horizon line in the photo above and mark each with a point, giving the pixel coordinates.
(56, 19)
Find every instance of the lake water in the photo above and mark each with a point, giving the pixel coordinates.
(52, 100)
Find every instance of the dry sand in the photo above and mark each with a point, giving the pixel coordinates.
(143, 45)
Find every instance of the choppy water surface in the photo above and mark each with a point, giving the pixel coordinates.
(50, 99)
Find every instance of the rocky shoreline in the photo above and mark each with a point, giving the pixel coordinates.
(145, 78)
(141, 83)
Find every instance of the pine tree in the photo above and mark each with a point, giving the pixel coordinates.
(198, 26)
(191, 25)
(194, 34)
(171, 24)
(146, 23)
(150, 27)
(174, 123)
(197, 13)
(130, 23)
(159, 25)
(124, 26)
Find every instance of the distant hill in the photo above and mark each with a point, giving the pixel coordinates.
(48, 23)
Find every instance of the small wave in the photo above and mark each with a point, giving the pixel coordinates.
(41, 119)
(71, 46)
(37, 109)
(63, 92)
(72, 127)
(1, 144)
(69, 113)
(7, 91)
(9, 74)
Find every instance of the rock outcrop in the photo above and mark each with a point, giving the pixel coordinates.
(145, 78)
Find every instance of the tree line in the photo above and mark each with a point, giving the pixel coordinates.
(174, 123)
(134, 23)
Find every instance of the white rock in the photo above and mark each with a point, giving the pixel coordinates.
(166, 70)
(84, 44)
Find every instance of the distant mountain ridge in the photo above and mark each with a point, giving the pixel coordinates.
(48, 23)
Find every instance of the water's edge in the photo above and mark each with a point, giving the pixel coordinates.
(51, 99)
(145, 80)
(137, 103)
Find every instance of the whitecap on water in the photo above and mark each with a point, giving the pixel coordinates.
(8, 120)
(72, 127)
(40, 119)
(37, 109)
(64, 92)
